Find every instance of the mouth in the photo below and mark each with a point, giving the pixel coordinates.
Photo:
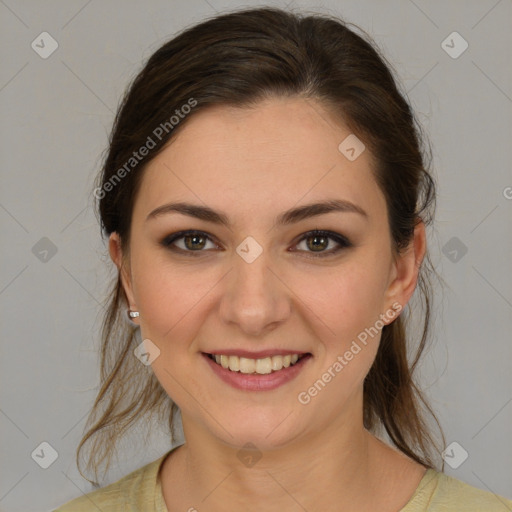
(264, 371)
(261, 366)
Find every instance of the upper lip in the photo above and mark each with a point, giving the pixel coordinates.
(261, 354)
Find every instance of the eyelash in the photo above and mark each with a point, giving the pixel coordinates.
(342, 242)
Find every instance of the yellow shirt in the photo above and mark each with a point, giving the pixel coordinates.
(141, 491)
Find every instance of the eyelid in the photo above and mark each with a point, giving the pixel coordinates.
(342, 241)
(169, 240)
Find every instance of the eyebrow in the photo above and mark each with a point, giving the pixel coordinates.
(288, 217)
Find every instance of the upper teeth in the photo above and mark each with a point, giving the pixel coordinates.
(262, 366)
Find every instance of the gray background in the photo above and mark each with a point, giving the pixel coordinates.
(56, 114)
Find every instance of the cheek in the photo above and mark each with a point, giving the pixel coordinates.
(349, 298)
(349, 303)
(167, 293)
(171, 301)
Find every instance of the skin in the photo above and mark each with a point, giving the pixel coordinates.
(253, 164)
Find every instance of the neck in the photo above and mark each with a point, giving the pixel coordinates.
(333, 470)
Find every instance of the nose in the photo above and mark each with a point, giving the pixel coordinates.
(254, 296)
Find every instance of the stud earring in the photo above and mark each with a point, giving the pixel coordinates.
(133, 314)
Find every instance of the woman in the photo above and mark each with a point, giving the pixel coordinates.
(265, 195)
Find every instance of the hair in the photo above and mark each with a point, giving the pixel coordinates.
(239, 59)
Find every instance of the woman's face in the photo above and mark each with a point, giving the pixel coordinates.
(253, 282)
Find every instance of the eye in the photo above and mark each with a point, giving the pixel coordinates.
(191, 242)
(316, 243)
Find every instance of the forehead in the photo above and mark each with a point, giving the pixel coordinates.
(265, 158)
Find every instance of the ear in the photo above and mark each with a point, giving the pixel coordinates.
(122, 264)
(406, 269)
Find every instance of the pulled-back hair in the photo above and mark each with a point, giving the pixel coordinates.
(238, 59)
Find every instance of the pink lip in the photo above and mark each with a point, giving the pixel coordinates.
(255, 355)
(254, 382)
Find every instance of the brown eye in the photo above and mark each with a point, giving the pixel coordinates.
(319, 241)
(193, 242)
(188, 241)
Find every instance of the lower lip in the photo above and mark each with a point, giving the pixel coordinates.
(256, 382)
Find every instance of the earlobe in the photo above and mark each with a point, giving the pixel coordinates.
(407, 266)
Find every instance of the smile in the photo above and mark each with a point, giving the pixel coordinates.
(257, 374)
(260, 366)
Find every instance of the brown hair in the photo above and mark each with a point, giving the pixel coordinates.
(238, 59)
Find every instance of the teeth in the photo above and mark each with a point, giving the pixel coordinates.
(277, 363)
(247, 365)
(234, 363)
(264, 365)
(260, 366)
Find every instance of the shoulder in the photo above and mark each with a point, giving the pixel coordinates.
(438, 492)
(135, 491)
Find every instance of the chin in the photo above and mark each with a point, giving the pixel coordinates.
(265, 428)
